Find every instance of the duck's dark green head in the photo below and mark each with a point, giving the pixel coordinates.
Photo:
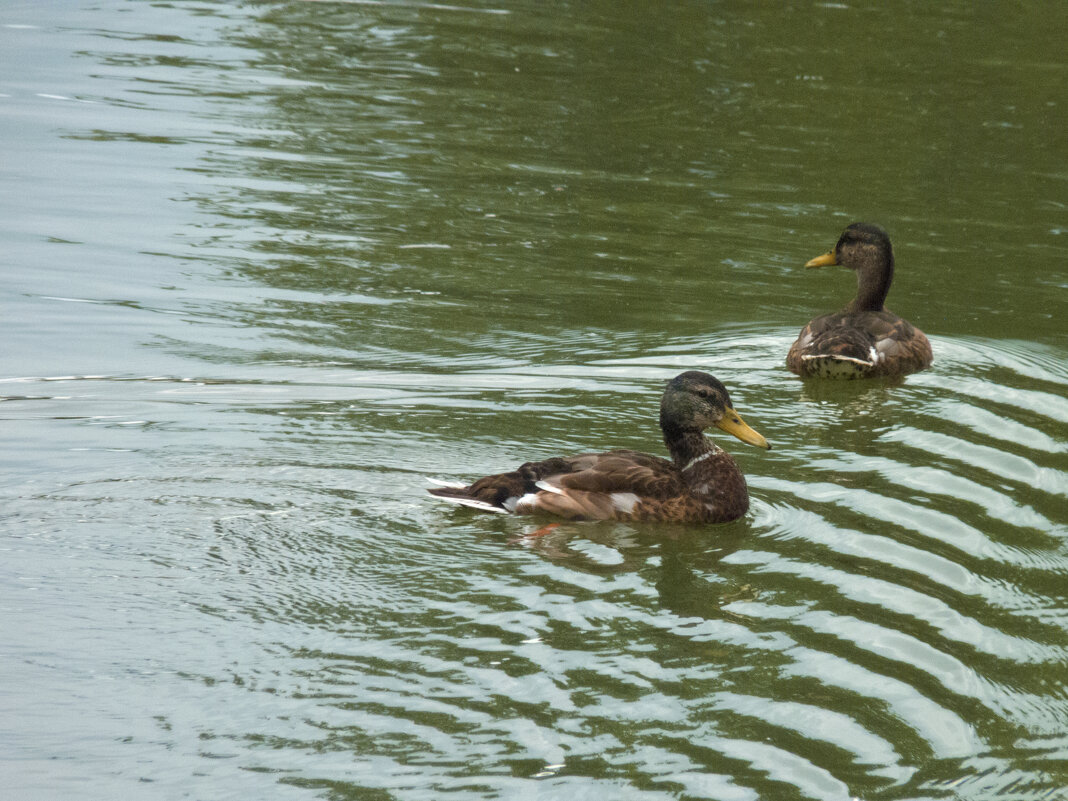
(860, 243)
(694, 401)
(865, 249)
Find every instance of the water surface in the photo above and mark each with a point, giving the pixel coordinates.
(268, 268)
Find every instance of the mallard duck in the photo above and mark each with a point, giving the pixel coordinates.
(864, 339)
(701, 483)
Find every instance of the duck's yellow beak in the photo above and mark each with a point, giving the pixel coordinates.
(732, 423)
(826, 260)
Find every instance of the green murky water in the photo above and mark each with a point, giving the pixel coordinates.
(268, 267)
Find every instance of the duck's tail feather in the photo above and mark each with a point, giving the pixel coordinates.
(474, 503)
(448, 484)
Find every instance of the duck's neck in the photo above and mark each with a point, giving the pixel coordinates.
(687, 445)
(873, 282)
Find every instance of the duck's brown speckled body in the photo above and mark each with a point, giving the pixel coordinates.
(701, 484)
(865, 339)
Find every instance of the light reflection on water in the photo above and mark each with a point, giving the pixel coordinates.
(340, 248)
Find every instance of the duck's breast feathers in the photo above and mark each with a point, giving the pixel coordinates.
(719, 487)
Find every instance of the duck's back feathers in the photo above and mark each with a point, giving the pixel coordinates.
(859, 345)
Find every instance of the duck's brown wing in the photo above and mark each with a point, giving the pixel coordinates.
(859, 344)
(592, 486)
(617, 485)
(619, 471)
(638, 487)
